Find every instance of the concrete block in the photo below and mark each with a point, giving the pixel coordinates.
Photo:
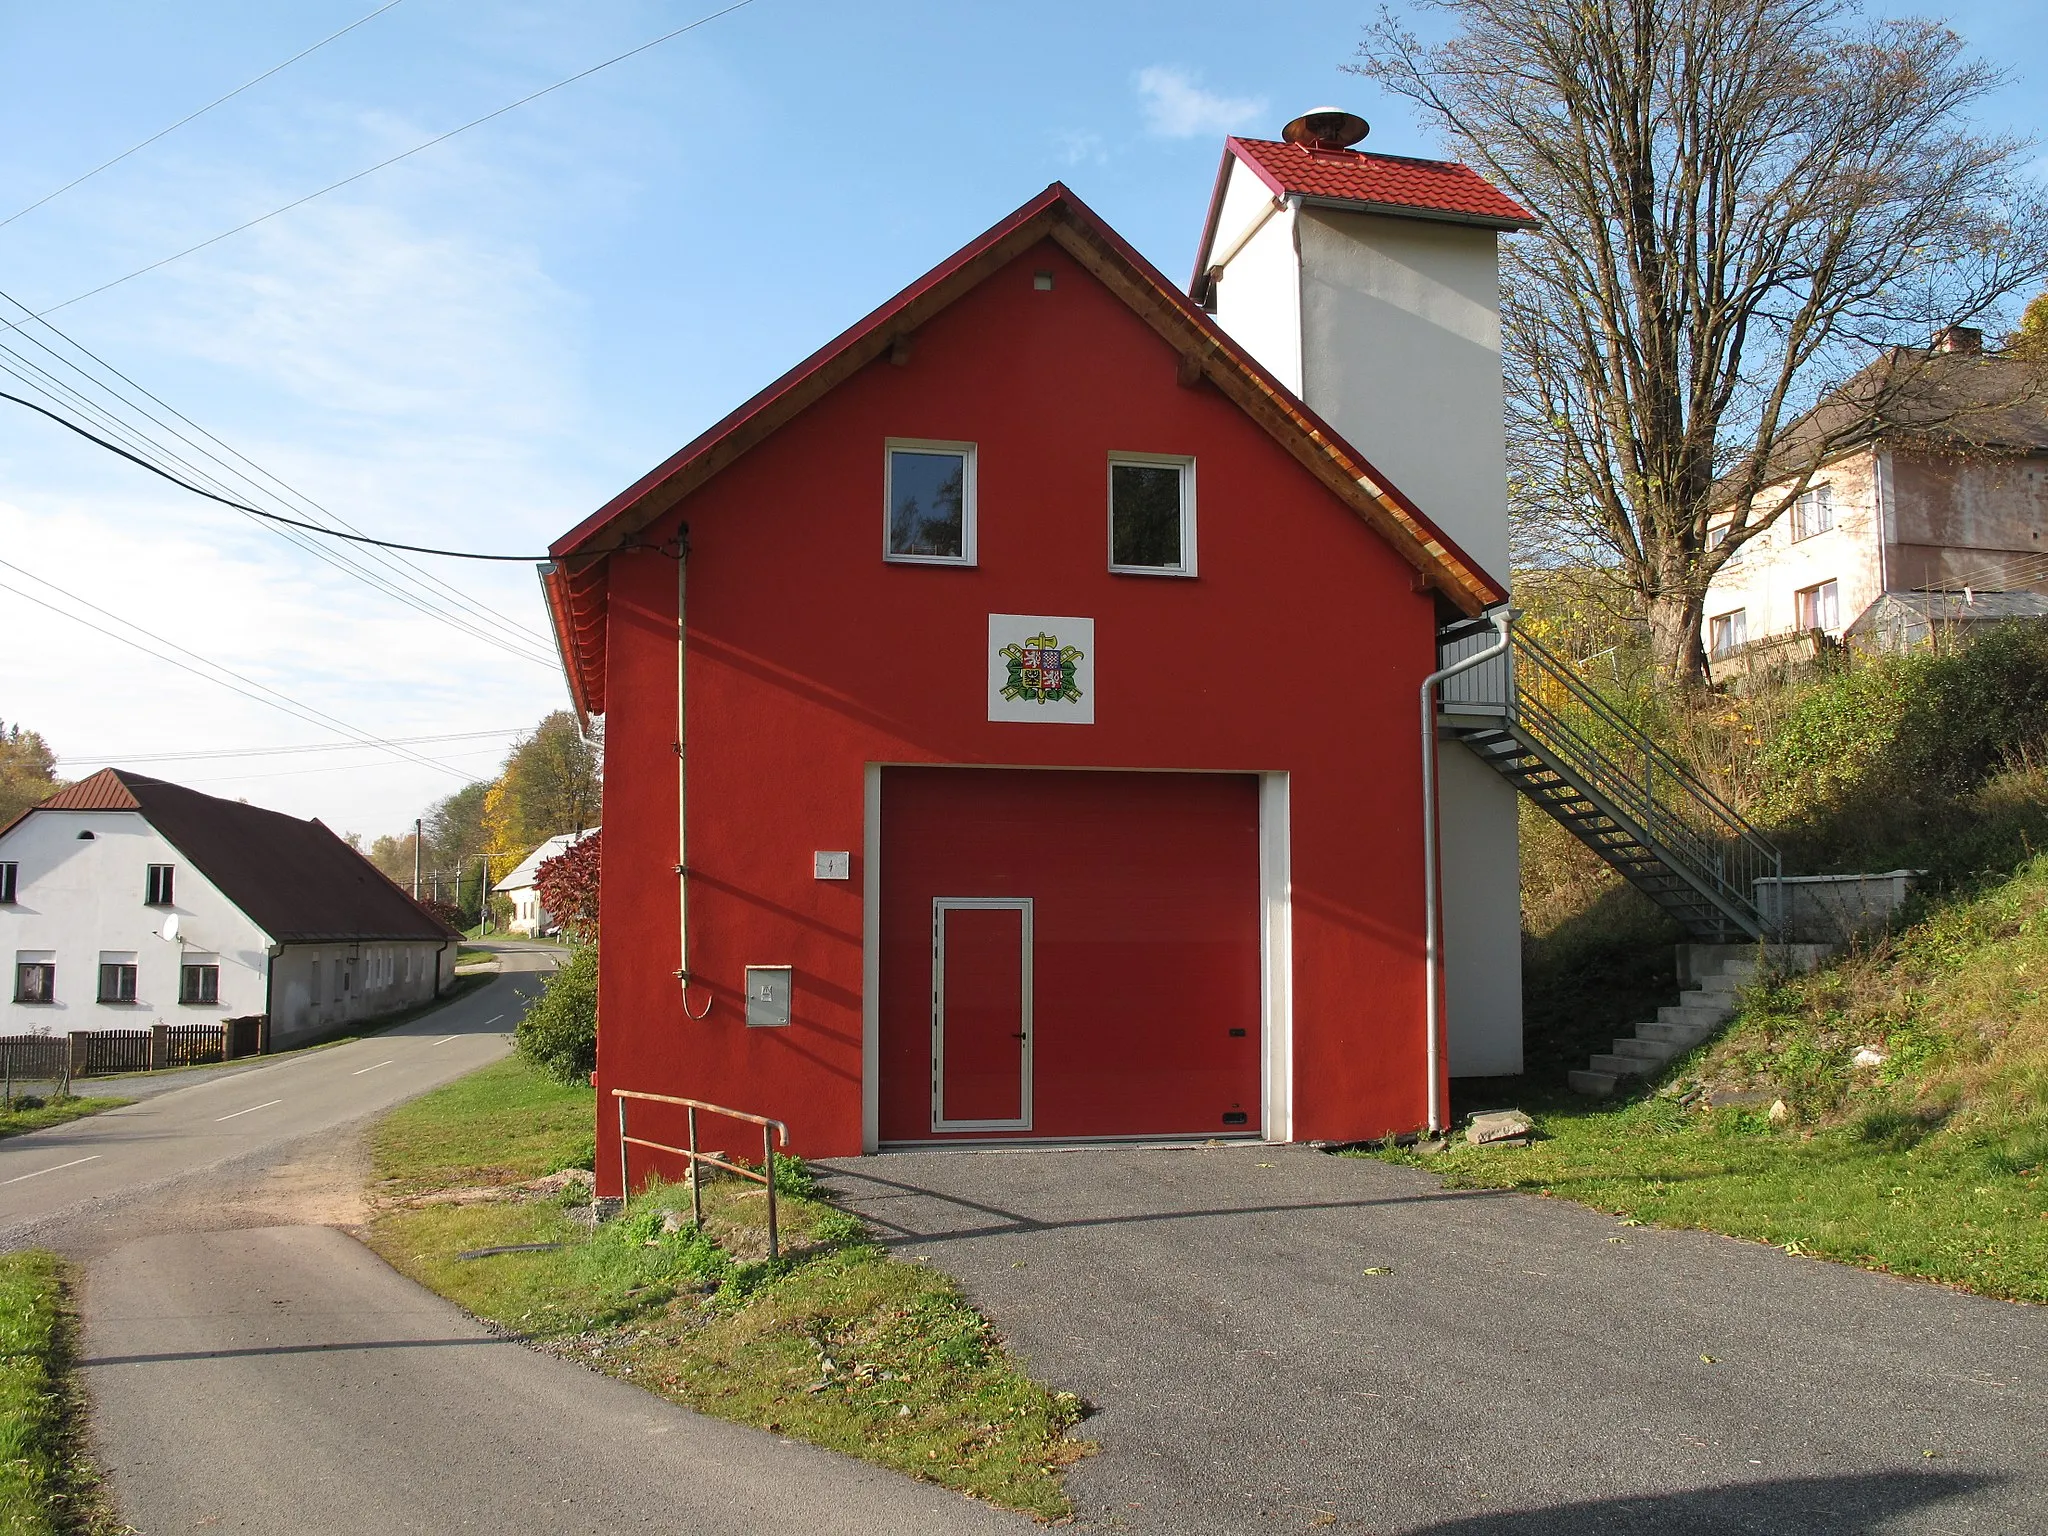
(1620, 1066)
(1683, 1037)
(1598, 1085)
(1657, 1052)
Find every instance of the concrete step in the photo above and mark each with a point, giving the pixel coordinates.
(1724, 985)
(1620, 1066)
(1655, 1052)
(1698, 1015)
(1598, 1085)
(1682, 1036)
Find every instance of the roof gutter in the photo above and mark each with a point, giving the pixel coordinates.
(1410, 211)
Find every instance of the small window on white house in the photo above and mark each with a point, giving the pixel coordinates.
(35, 981)
(157, 889)
(1152, 515)
(117, 976)
(1813, 512)
(199, 983)
(1819, 607)
(928, 502)
(313, 989)
(10, 877)
(1728, 632)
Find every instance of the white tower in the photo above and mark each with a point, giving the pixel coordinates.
(1370, 285)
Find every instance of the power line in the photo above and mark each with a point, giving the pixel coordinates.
(189, 116)
(275, 517)
(402, 155)
(275, 699)
(317, 746)
(531, 645)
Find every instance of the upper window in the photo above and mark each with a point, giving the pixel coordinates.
(1813, 512)
(1728, 632)
(157, 890)
(929, 502)
(1152, 514)
(10, 876)
(1819, 607)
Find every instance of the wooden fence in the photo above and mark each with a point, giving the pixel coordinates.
(101, 1052)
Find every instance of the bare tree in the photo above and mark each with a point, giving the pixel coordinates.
(1743, 202)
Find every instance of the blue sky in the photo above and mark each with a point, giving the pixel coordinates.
(479, 345)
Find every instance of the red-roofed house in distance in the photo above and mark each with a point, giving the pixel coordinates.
(1013, 725)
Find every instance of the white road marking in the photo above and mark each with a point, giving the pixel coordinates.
(59, 1168)
(361, 1070)
(492, 1019)
(249, 1111)
(444, 1040)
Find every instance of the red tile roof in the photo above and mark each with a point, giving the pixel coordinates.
(102, 791)
(1433, 189)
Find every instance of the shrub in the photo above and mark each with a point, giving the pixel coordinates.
(559, 1031)
(568, 887)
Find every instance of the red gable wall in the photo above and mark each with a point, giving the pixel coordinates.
(1300, 647)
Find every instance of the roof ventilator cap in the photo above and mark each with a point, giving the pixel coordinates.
(1326, 128)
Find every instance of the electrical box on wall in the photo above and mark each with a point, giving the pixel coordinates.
(767, 996)
(832, 866)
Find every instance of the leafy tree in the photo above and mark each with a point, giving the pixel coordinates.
(393, 855)
(28, 771)
(567, 885)
(558, 1033)
(553, 782)
(2031, 338)
(1741, 199)
(455, 828)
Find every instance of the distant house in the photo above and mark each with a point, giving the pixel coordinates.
(1944, 506)
(126, 901)
(528, 916)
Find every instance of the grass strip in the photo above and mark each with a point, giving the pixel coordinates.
(55, 1110)
(47, 1486)
(1960, 1210)
(835, 1343)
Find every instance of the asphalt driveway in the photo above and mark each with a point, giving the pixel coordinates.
(1522, 1366)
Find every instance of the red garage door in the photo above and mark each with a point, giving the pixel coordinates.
(1069, 954)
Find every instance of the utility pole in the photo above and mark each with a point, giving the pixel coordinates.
(483, 900)
(416, 833)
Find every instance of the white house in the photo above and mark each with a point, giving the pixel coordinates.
(528, 916)
(1936, 518)
(1370, 285)
(127, 901)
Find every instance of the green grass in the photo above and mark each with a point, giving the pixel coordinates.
(55, 1111)
(835, 1343)
(47, 1488)
(1929, 1163)
(1953, 1210)
(466, 955)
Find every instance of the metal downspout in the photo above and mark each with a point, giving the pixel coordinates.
(1432, 966)
(683, 782)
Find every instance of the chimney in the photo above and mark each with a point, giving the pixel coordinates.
(1959, 338)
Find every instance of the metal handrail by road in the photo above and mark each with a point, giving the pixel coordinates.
(766, 1176)
(1704, 839)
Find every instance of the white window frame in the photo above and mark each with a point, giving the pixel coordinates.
(1810, 598)
(1185, 463)
(1733, 619)
(969, 499)
(1819, 494)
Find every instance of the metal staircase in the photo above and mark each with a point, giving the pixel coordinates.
(1527, 714)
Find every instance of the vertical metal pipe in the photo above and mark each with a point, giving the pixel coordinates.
(625, 1179)
(768, 1167)
(696, 1175)
(1432, 961)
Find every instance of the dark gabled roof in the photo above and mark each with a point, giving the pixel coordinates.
(294, 879)
(577, 582)
(1962, 402)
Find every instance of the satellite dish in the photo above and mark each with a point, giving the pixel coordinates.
(171, 928)
(1326, 128)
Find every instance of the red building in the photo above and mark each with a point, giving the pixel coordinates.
(1040, 755)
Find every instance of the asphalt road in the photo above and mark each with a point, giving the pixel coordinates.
(1523, 1367)
(234, 1115)
(252, 1368)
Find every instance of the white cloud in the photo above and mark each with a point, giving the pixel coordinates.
(1077, 147)
(1176, 107)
